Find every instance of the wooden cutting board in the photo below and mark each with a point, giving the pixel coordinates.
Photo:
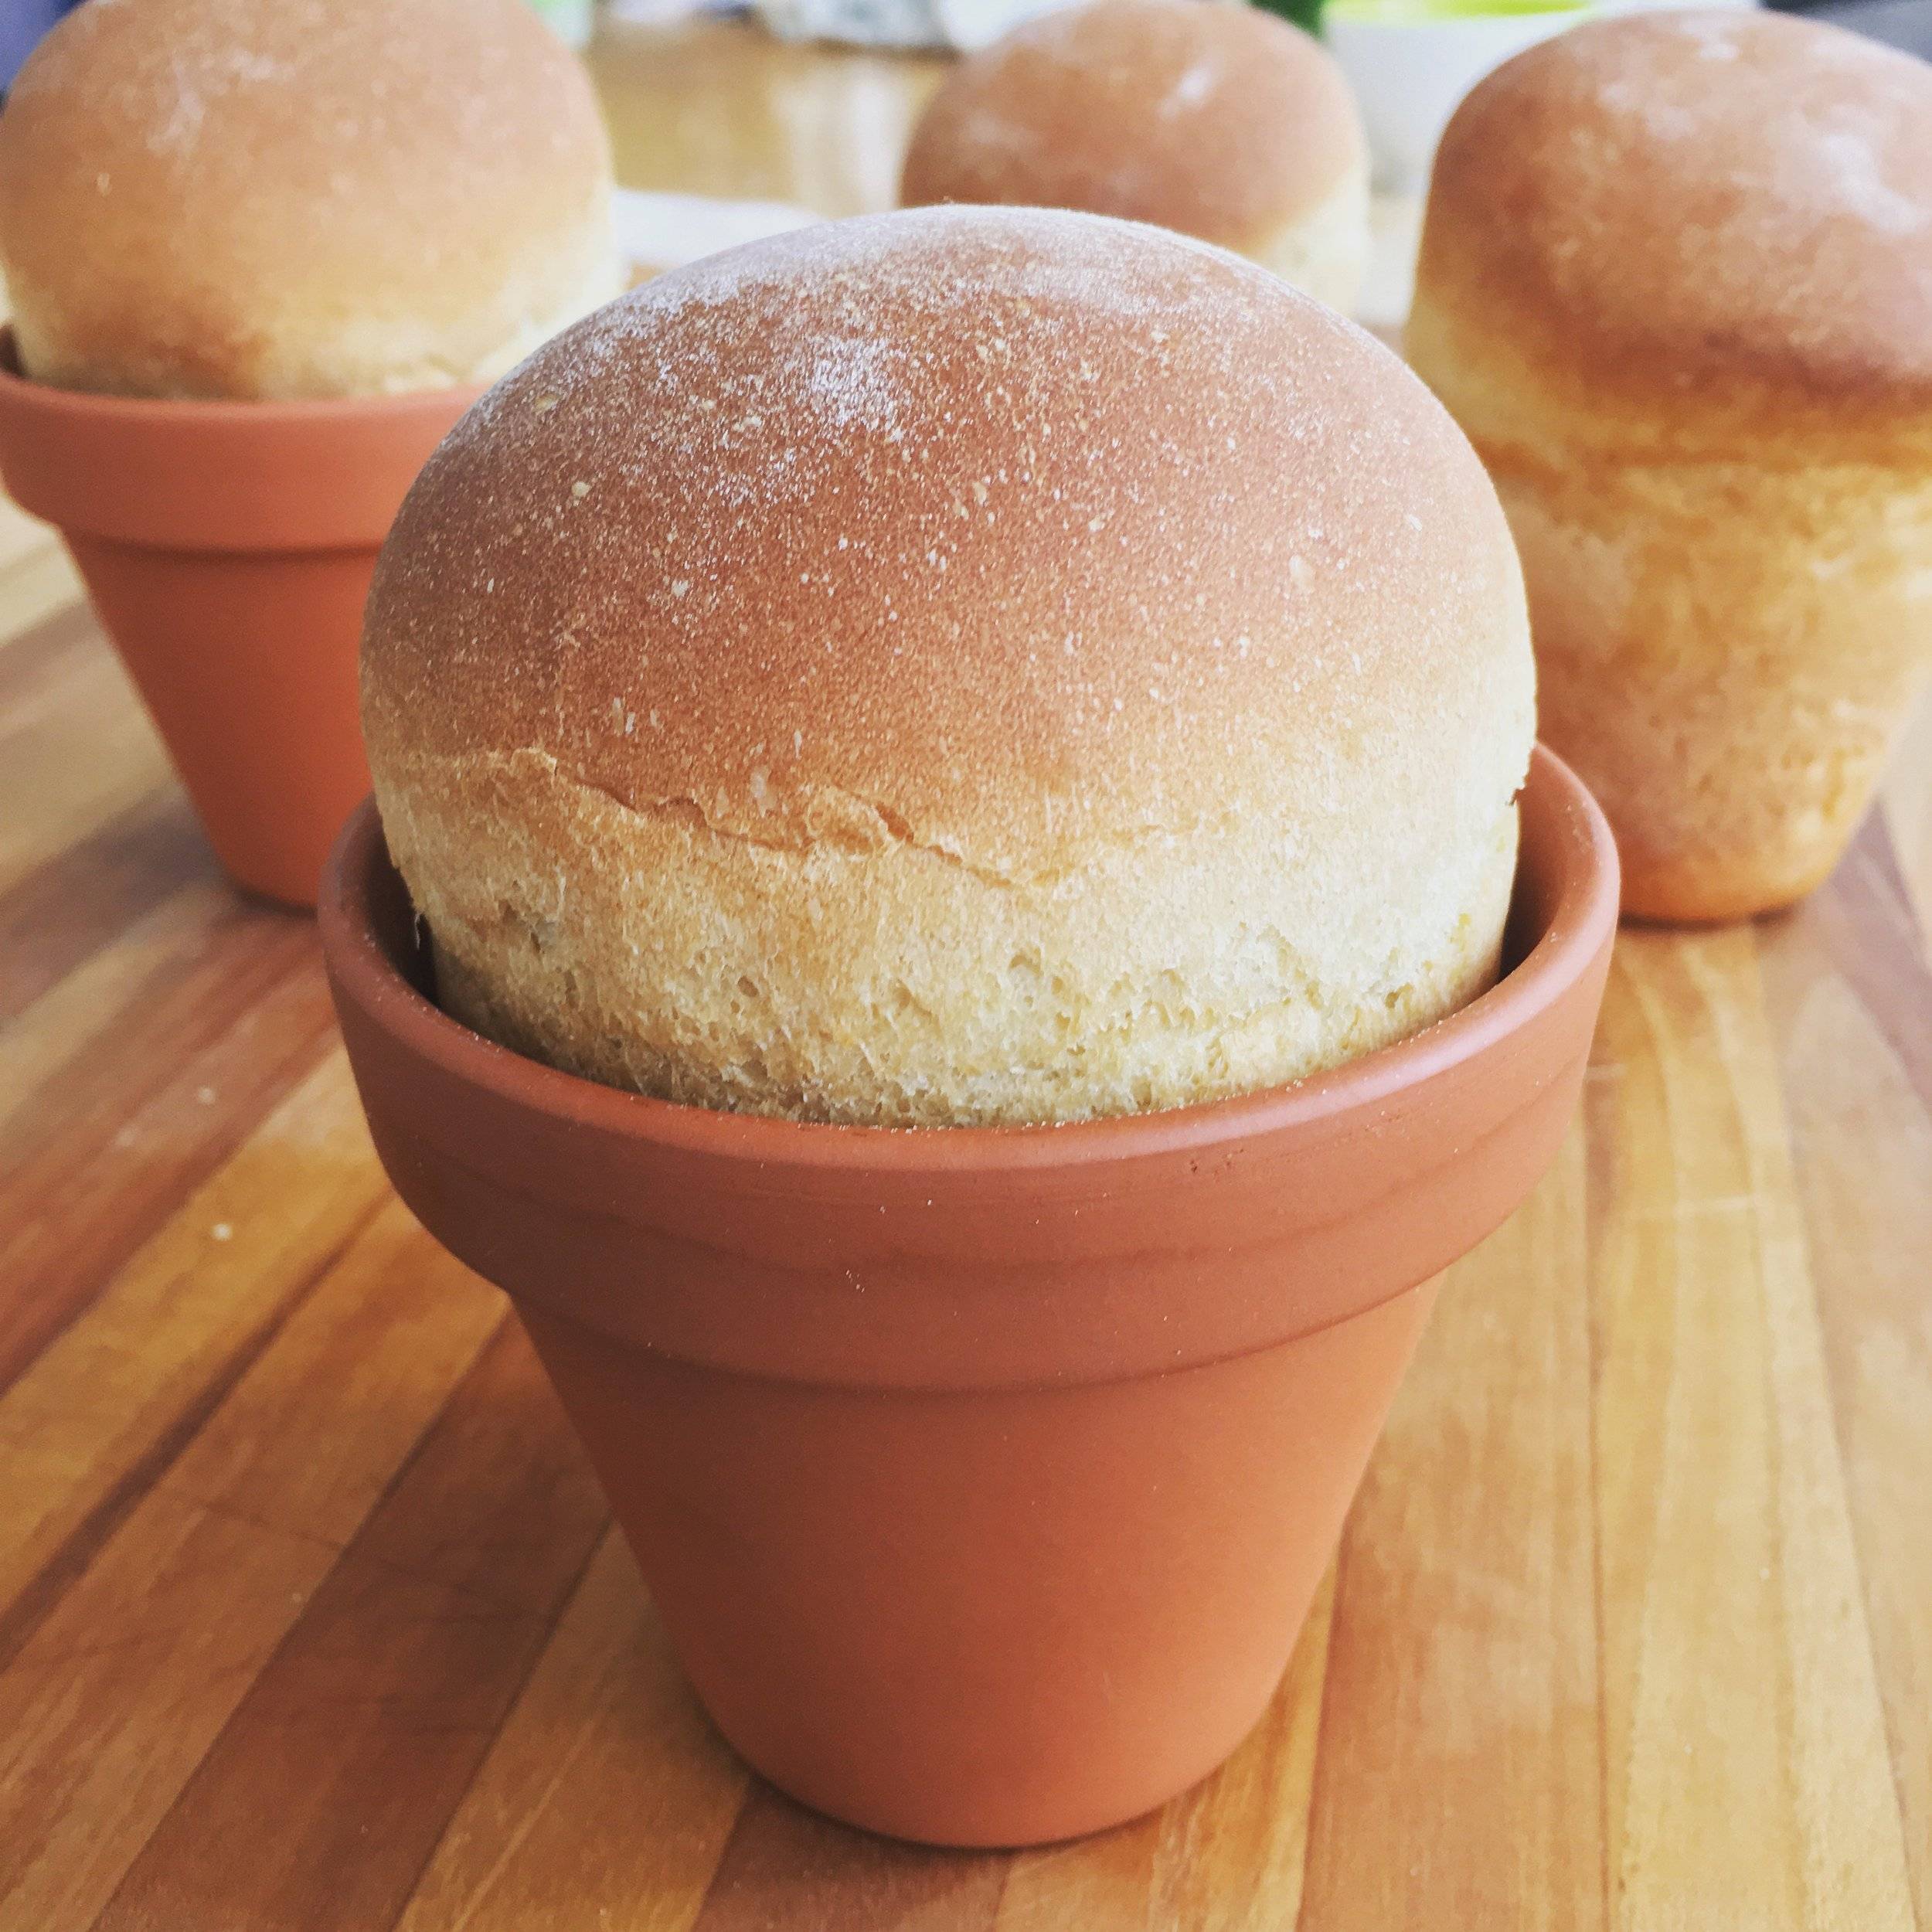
(310, 1615)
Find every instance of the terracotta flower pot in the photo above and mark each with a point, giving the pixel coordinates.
(228, 548)
(983, 1477)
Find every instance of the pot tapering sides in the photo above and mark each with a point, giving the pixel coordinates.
(228, 547)
(983, 1477)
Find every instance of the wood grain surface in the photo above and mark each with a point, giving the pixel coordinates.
(311, 1619)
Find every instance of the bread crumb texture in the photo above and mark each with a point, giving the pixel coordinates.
(1325, 252)
(1728, 654)
(963, 666)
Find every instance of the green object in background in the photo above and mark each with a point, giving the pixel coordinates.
(1304, 13)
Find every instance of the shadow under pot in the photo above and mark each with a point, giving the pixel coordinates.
(227, 549)
(983, 1477)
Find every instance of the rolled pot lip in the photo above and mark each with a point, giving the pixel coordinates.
(1565, 816)
(217, 477)
(20, 391)
(1562, 822)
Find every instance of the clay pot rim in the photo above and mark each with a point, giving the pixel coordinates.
(1564, 832)
(217, 477)
(20, 391)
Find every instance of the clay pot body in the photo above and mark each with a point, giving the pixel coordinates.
(227, 549)
(983, 1477)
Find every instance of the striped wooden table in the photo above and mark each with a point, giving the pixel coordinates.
(311, 1617)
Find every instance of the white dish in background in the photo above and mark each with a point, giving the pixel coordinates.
(971, 24)
(1411, 70)
(657, 231)
(963, 23)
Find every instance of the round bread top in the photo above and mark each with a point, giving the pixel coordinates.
(1012, 535)
(287, 198)
(1693, 201)
(965, 665)
(1221, 121)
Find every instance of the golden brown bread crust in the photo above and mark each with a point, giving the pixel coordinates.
(1725, 215)
(1220, 121)
(1676, 284)
(226, 198)
(967, 665)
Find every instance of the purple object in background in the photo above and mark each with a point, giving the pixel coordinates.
(22, 24)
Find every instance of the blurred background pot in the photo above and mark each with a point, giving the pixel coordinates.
(227, 549)
(983, 1477)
